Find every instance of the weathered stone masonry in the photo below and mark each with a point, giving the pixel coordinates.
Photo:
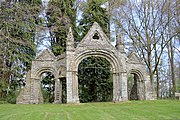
(66, 66)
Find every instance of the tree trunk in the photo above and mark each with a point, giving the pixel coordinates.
(171, 53)
(172, 68)
(156, 68)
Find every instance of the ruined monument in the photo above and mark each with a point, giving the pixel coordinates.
(66, 66)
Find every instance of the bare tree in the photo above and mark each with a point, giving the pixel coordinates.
(173, 15)
(145, 24)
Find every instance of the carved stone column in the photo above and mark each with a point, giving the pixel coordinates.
(69, 86)
(38, 97)
(58, 91)
(116, 87)
(75, 88)
(140, 87)
(124, 86)
(69, 68)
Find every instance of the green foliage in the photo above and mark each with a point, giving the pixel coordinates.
(47, 87)
(17, 36)
(130, 84)
(95, 80)
(10, 96)
(61, 15)
(178, 85)
(93, 12)
(3, 102)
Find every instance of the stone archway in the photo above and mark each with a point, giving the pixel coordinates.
(73, 96)
(65, 66)
(44, 62)
(38, 80)
(47, 86)
(136, 85)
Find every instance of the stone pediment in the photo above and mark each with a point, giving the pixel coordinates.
(96, 39)
(133, 58)
(46, 55)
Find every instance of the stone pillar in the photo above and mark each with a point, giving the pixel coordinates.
(72, 87)
(124, 86)
(75, 88)
(141, 91)
(38, 97)
(69, 86)
(58, 91)
(120, 41)
(116, 88)
(70, 75)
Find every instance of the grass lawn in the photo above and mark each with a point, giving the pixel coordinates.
(130, 110)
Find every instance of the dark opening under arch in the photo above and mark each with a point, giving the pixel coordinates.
(136, 86)
(95, 80)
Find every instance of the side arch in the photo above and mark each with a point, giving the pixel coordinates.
(45, 69)
(138, 73)
(137, 92)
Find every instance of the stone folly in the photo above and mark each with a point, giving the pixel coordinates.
(65, 66)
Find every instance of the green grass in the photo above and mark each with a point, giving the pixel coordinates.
(130, 110)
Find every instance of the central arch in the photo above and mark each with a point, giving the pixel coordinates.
(111, 58)
(117, 68)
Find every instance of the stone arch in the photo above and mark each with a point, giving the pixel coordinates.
(137, 72)
(38, 98)
(95, 43)
(117, 68)
(98, 53)
(138, 89)
(45, 69)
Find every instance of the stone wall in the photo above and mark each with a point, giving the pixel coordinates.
(66, 66)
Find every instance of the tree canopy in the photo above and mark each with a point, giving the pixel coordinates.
(17, 41)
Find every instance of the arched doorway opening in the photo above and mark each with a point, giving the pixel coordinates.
(47, 87)
(135, 86)
(95, 81)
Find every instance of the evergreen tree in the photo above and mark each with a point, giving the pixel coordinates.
(95, 80)
(93, 12)
(61, 15)
(17, 42)
(48, 87)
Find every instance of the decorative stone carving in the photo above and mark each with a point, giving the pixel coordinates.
(45, 55)
(134, 59)
(95, 43)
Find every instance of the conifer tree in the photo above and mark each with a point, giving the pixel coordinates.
(18, 22)
(93, 12)
(61, 15)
